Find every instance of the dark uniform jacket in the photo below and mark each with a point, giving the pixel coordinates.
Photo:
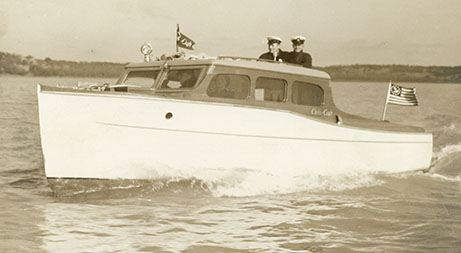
(300, 58)
(269, 56)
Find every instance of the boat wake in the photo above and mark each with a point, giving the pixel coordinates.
(257, 183)
(240, 183)
(446, 162)
(446, 157)
(246, 182)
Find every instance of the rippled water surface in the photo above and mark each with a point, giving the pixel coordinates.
(249, 212)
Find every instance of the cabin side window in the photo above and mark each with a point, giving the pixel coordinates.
(307, 94)
(270, 89)
(229, 86)
(181, 78)
(141, 78)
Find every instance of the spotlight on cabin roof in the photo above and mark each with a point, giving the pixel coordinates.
(146, 50)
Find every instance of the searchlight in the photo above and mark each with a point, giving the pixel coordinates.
(146, 50)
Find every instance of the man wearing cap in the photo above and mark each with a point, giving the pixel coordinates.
(297, 56)
(275, 53)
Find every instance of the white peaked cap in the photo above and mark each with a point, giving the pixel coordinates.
(274, 38)
(298, 38)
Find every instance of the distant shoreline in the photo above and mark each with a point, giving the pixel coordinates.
(14, 64)
(3, 75)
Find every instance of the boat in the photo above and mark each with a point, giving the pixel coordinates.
(192, 117)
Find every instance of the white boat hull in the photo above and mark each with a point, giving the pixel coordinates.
(119, 136)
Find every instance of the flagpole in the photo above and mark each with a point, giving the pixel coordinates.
(387, 98)
(177, 31)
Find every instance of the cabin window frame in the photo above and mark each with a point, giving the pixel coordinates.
(293, 83)
(165, 70)
(285, 89)
(127, 73)
(226, 73)
(122, 79)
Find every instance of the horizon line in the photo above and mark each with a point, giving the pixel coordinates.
(337, 65)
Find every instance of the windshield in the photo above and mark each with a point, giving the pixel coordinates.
(181, 78)
(141, 78)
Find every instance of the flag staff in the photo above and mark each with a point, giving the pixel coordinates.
(387, 98)
(177, 37)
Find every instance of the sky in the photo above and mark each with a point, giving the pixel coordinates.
(338, 32)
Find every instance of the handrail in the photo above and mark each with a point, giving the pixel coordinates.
(221, 57)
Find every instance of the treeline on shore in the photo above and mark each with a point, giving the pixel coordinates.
(29, 66)
(397, 73)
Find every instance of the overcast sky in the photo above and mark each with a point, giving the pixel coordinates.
(416, 32)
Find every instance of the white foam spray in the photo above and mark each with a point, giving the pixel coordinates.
(252, 182)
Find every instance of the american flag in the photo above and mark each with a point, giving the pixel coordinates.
(399, 95)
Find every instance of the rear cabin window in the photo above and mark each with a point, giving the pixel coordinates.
(307, 94)
(181, 78)
(270, 89)
(142, 78)
(229, 86)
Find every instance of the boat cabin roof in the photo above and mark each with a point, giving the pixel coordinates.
(240, 62)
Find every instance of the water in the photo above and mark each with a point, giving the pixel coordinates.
(243, 212)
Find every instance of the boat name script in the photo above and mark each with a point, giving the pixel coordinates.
(319, 112)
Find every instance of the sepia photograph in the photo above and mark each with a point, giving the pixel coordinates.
(230, 126)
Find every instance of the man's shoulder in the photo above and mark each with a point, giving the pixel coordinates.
(293, 53)
(301, 55)
(266, 55)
